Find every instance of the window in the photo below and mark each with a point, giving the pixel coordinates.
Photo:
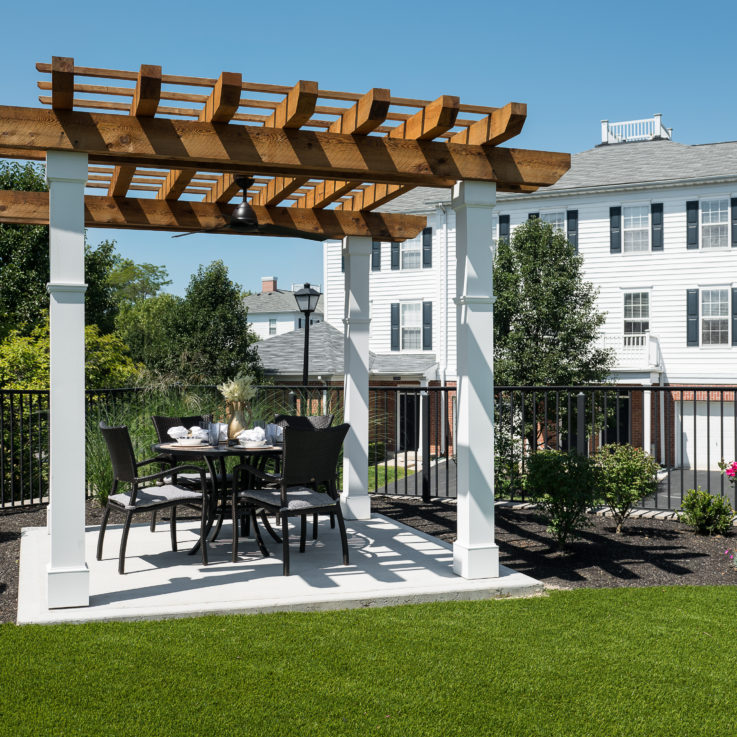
(636, 228)
(411, 253)
(272, 326)
(411, 325)
(714, 316)
(556, 219)
(714, 224)
(636, 318)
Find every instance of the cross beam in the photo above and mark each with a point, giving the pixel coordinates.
(32, 208)
(120, 139)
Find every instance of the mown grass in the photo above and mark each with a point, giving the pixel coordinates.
(588, 662)
(381, 475)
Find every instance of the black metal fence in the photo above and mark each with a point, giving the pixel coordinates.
(688, 430)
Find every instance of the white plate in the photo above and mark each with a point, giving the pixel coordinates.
(190, 441)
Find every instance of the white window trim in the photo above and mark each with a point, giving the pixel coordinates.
(716, 346)
(402, 349)
(418, 240)
(649, 248)
(711, 198)
(625, 292)
(564, 210)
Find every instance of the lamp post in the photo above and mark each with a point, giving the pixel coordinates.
(306, 303)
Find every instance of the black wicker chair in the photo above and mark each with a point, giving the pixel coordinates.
(299, 422)
(309, 461)
(144, 497)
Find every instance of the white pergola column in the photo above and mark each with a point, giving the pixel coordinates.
(68, 575)
(355, 500)
(475, 555)
(647, 421)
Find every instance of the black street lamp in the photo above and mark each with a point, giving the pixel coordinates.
(306, 303)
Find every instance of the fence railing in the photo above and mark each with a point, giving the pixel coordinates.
(688, 430)
(645, 129)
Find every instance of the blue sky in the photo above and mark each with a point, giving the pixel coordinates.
(573, 63)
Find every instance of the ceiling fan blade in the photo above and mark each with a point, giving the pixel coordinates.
(195, 232)
(290, 232)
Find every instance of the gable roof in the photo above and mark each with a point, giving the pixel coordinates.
(280, 300)
(618, 165)
(283, 355)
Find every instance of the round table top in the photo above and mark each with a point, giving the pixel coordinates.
(222, 449)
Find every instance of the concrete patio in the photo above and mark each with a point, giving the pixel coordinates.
(390, 564)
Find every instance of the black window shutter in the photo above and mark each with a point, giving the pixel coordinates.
(615, 230)
(342, 261)
(734, 315)
(395, 326)
(692, 317)
(504, 227)
(692, 224)
(427, 248)
(375, 256)
(656, 225)
(572, 228)
(734, 221)
(395, 256)
(533, 215)
(427, 326)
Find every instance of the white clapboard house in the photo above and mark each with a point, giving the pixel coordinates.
(656, 223)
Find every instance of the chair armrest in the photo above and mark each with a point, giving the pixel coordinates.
(175, 470)
(269, 478)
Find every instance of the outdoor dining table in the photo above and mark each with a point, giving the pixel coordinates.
(217, 454)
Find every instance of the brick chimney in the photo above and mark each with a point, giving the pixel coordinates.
(268, 283)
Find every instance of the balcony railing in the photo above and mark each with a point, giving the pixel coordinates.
(638, 352)
(647, 129)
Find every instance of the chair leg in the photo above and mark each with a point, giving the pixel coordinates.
(314, 526)
(285, 543)
(124, 542)
(173, 527)
(153, 522)
(221, 518)
(332, 521)
(203, 531)
(246, 525)
(303, 531)
(343, 536)
(103, 527)
(257, 533)
(234, 510)
(269, 528)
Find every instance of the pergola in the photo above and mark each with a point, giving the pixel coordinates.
(165, 149)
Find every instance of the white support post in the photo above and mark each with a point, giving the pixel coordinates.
(475, 554)
(67, 573)
(355, 500)
(647, 421)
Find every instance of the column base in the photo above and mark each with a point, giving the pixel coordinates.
(355, 507)
(476, 562)
(68, 587)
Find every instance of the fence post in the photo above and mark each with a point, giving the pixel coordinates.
(581, 424)
(425, 414)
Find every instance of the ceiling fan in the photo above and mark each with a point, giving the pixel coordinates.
(243, 220)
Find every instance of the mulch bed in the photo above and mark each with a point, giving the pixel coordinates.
(649, 552)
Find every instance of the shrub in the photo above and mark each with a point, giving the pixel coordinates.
(563, 485)
(626, 476)
(376, 453)
(706, 513)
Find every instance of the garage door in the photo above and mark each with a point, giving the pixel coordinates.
(707, 438)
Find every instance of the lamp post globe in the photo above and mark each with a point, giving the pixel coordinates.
(306, 299)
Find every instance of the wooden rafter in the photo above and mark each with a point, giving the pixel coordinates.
(144, 105)
(180, 216)
(62, 83)
(220, 107)
(365, 116)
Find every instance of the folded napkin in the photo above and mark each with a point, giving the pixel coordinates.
(198, 432)
(256, 435)
(177, 432)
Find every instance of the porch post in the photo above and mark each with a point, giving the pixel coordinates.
(355, 500)
(67, 572)
(475, 554)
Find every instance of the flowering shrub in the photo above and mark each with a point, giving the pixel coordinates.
(730, 554)
(730, 469)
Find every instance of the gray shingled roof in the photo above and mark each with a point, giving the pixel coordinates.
(283, 355)
(280, 300)
(613, 165)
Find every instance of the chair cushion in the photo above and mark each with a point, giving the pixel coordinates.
(154, 495)
(299, 498)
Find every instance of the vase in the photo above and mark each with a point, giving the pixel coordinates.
(238, 423)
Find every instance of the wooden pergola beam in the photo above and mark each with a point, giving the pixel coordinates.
(501, 125)
(144, 105)
(220, 107)
(32, 208)
(361, 118)
(62, 82)
(120, 139)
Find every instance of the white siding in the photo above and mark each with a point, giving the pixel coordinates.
(285, 322)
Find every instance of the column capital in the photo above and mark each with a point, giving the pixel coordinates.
(356, 320)
(358, 244)
(66, 166)
(478, 303)
(473, 194)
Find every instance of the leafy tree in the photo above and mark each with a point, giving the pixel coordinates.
(100, 306)
(132, 282)
(545, 319)
(24, 360)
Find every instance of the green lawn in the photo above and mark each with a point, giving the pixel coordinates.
(653, 662)
(379, 476)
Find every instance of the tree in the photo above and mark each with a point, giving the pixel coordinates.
(100, 306)
(546, 324)
(24, 360)
(132, 282)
